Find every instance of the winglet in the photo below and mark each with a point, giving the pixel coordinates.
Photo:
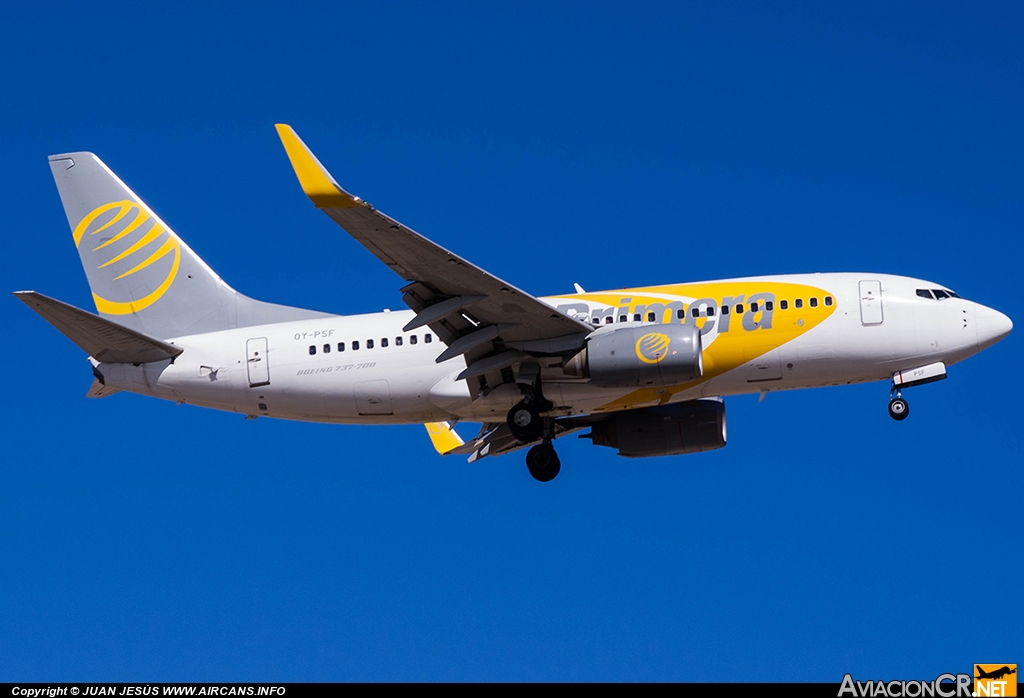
(443, 437)
(314, 178)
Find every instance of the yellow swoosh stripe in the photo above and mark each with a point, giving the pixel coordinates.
(169, 244)
(149, 237)
(80, 229)
(139, 220)
(112, 308)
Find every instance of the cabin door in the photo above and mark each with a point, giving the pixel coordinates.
(256, 362)
(871, 302)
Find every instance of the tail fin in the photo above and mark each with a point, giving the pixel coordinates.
(141, 274)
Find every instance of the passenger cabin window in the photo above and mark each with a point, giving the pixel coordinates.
(341, 346)
(355, 345)
(608, 320)
(725, 310)
(596, 320)
(312, 349)
(828, 300)
(680, 313)
(798, 303)
(428, 338)
(369, 344)
(711, 311)
(814, 302)
(398, 341)
(636, 317)
(940, 294)
(783, 305)
(739, 308)
(650, 317)
(384, 341)
(694, 311)
(412, 339)
(754, 307)
(623, 318)
(769, 306)
(327, 348)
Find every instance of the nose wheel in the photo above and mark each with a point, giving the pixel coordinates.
(898, 407)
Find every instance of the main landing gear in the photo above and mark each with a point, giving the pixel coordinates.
(526, 424)
(898, 407)
(542, 462)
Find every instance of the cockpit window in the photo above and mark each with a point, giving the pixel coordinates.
(939, 294)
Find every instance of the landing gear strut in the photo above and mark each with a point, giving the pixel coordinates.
(898, 407)
(542, 462)
(526, 424)
(524, 420)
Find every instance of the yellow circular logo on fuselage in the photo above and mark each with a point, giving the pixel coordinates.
(651, 347)
(136, 242)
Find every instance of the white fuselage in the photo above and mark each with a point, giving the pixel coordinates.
(311, 369)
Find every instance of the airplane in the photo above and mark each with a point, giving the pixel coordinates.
(995, 673)
(645, 370)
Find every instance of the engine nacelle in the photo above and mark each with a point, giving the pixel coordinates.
(639, 357)
(666, 430)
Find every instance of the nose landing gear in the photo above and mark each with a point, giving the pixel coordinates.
(898, 407)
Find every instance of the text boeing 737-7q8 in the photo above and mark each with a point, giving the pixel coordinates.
(644, 369)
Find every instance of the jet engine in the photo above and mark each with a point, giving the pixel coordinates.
(639, 357)
(666, 430)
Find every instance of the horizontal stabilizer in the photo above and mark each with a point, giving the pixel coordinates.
(101, 339)
(97, 390)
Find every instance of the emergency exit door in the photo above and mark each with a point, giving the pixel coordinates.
(256, 362)
(871, 302)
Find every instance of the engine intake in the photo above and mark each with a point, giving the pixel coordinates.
(637, 357)
(666, 430)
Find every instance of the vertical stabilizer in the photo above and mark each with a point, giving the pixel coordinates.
(141, 274)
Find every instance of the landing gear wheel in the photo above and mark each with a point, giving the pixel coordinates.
(898, 409)
(543, 463)
(524, 422)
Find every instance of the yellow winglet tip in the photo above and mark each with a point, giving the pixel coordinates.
(443, 437)
(313, 177)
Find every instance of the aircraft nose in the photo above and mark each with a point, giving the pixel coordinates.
(992, 326)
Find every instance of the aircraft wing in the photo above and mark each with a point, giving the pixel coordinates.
(475, 313)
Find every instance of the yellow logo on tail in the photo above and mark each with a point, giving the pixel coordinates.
(145, 249)
(651, 347)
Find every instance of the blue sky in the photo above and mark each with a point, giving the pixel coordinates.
(596, 143)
